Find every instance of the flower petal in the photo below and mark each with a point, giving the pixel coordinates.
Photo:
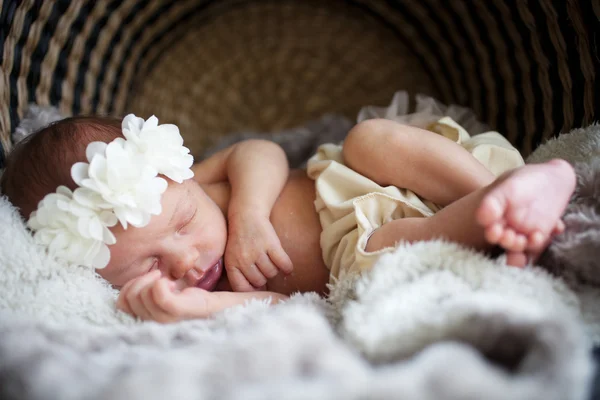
(131, 126)
(86, 197)
(91, 249)
(171, 133)
(108, 218)
(65, 191)
(101, 258)
(33, 222)
(75, 252)
(160, 185)
(79, 172)
(96, 230)
(108, 237)
(63, 205)
(95, 148)
(122, 214)
(97, 168)
(57, 244)
(83, 225)
(151, 123)
(136, 217)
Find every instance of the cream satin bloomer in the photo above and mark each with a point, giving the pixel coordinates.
(351, 206)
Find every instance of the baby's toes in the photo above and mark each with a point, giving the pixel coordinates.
(494, 233)
(516, 259)
(508, 239)
(513, 241)
(537, 241)
(491, 209)
(520, 243)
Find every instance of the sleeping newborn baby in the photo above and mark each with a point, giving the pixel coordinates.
(184, 241)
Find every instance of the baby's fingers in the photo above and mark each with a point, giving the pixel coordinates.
(247, 280)
(266, 266)
(155, 297)
(133, 295)
(281, 260)
(122, 303)
(173, 303)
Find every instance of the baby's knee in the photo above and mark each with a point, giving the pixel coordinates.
(374, 135)
(363, 137)
(366, 129)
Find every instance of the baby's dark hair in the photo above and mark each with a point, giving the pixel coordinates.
(42, 162)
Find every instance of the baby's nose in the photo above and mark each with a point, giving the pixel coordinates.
(182, 264)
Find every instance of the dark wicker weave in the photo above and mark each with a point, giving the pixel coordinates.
(528, 68)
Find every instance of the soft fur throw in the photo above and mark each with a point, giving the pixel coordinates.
(431, 321)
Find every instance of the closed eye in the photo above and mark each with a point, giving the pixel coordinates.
(188, 220)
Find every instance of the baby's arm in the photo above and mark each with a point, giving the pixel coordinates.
(152, 298)
(247, 165)
(257, 171)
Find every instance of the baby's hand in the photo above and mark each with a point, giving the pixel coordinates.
(253, 253)
(151, 297)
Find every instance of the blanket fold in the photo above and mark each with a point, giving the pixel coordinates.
(522, 325)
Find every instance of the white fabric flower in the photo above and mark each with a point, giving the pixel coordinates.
(119, 183)
(119, 180)
(162, 146)
(71, 231)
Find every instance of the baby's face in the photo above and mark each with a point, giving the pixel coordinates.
(185, 242)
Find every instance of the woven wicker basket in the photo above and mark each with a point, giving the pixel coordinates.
(528, 68)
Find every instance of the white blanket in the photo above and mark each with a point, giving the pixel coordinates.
(431, 321)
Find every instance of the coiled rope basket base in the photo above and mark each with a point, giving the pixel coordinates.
(528, 68)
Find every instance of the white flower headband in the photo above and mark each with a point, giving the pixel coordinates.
(119, 183)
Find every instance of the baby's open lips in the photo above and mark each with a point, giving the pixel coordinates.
(209, 279)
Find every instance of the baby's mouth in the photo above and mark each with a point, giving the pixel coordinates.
(210, 278)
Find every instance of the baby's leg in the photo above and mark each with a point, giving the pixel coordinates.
(429, 164)
(455, 222)
(527, 202)
(536, 193)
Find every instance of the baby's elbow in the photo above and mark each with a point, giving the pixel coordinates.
(263, 145)
(262, 149)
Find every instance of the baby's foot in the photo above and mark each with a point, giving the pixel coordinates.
(522, 209)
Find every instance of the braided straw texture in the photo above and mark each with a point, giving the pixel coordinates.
(528, 68)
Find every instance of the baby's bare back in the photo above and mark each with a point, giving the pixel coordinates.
(297, 225)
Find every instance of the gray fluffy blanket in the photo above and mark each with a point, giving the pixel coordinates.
(431, 321)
